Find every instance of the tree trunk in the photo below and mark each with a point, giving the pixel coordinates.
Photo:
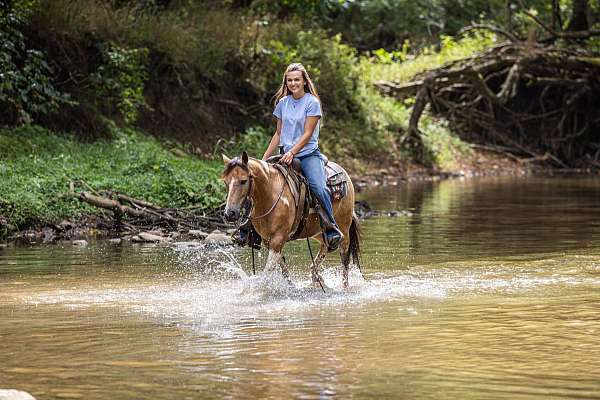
(556, 18)
(508, 7)
(579, 18)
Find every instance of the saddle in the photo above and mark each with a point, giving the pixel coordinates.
(305, 202)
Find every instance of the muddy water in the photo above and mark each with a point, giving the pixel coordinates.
(488, 289)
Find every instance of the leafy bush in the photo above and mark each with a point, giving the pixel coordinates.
(119, 80)
(26, 87)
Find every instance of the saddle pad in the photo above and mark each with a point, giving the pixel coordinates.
(335, 174)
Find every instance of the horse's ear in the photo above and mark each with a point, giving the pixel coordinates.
(244, 158)
(226, 159)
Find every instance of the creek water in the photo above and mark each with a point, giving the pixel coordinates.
(487, 288)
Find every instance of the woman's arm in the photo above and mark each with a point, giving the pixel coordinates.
(274, 141)
(309, 128)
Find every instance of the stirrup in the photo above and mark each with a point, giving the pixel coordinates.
(247, 237)
(240, 237)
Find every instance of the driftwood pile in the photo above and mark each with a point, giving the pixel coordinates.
(135, 214)
(533, 101)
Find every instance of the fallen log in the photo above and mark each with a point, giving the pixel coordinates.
(113, 205)
(145, 215)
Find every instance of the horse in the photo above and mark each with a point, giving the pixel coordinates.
(273, 212)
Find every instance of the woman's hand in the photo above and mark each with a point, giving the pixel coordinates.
(287, 158)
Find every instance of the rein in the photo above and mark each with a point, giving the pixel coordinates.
(248, 199)
(270, 209)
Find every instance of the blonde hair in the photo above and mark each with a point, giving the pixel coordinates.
(309, 86)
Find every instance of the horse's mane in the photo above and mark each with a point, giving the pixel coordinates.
(237, 162)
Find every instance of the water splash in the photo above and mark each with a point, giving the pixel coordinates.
(212, 293)
(232, 266)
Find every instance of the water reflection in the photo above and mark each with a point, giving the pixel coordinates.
(486, 291)
(488, 218)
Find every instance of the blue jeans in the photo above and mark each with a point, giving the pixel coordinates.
(313, 169)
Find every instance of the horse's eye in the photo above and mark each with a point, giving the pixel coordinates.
(243, 181)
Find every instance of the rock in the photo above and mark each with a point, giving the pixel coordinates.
(115, 241)
(49, 235)
(146, 237)
(187, 244)
(81, 243)
(198, 234)
(218, 239)
(64, 226)
(12, 394)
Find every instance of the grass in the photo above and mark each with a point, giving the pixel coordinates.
(37, 167)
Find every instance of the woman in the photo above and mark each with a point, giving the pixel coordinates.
(298, 111)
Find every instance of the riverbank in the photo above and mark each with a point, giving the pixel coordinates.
(45, 177)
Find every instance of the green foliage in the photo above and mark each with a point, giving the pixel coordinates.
(37, 166)
(314, 10)
(388, 57)
(26, 87)
(373, 24)
(329, 62)
(443, 149)
(189, 36)
(254, 141)
(358, 120)
(120, 79)
(219, 63)
(450, 49)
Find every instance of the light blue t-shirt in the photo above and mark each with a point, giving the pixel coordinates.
(292, 114)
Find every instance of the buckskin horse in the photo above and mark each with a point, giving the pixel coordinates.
(276, 208)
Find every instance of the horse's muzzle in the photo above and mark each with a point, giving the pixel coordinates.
(231, 214)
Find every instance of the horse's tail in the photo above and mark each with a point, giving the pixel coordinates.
(355, 236)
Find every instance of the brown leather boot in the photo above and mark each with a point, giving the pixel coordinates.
(331, 233)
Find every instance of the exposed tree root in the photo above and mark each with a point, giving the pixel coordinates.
(534, 100)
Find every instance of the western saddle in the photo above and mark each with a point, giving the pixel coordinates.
(305, 202)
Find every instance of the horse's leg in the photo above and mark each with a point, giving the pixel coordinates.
(317, 279)
(345, 256)
(284, 268)
(275, 258)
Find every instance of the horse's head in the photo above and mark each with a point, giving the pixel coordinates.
(238, 178)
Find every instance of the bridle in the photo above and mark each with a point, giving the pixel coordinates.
(247, 203)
